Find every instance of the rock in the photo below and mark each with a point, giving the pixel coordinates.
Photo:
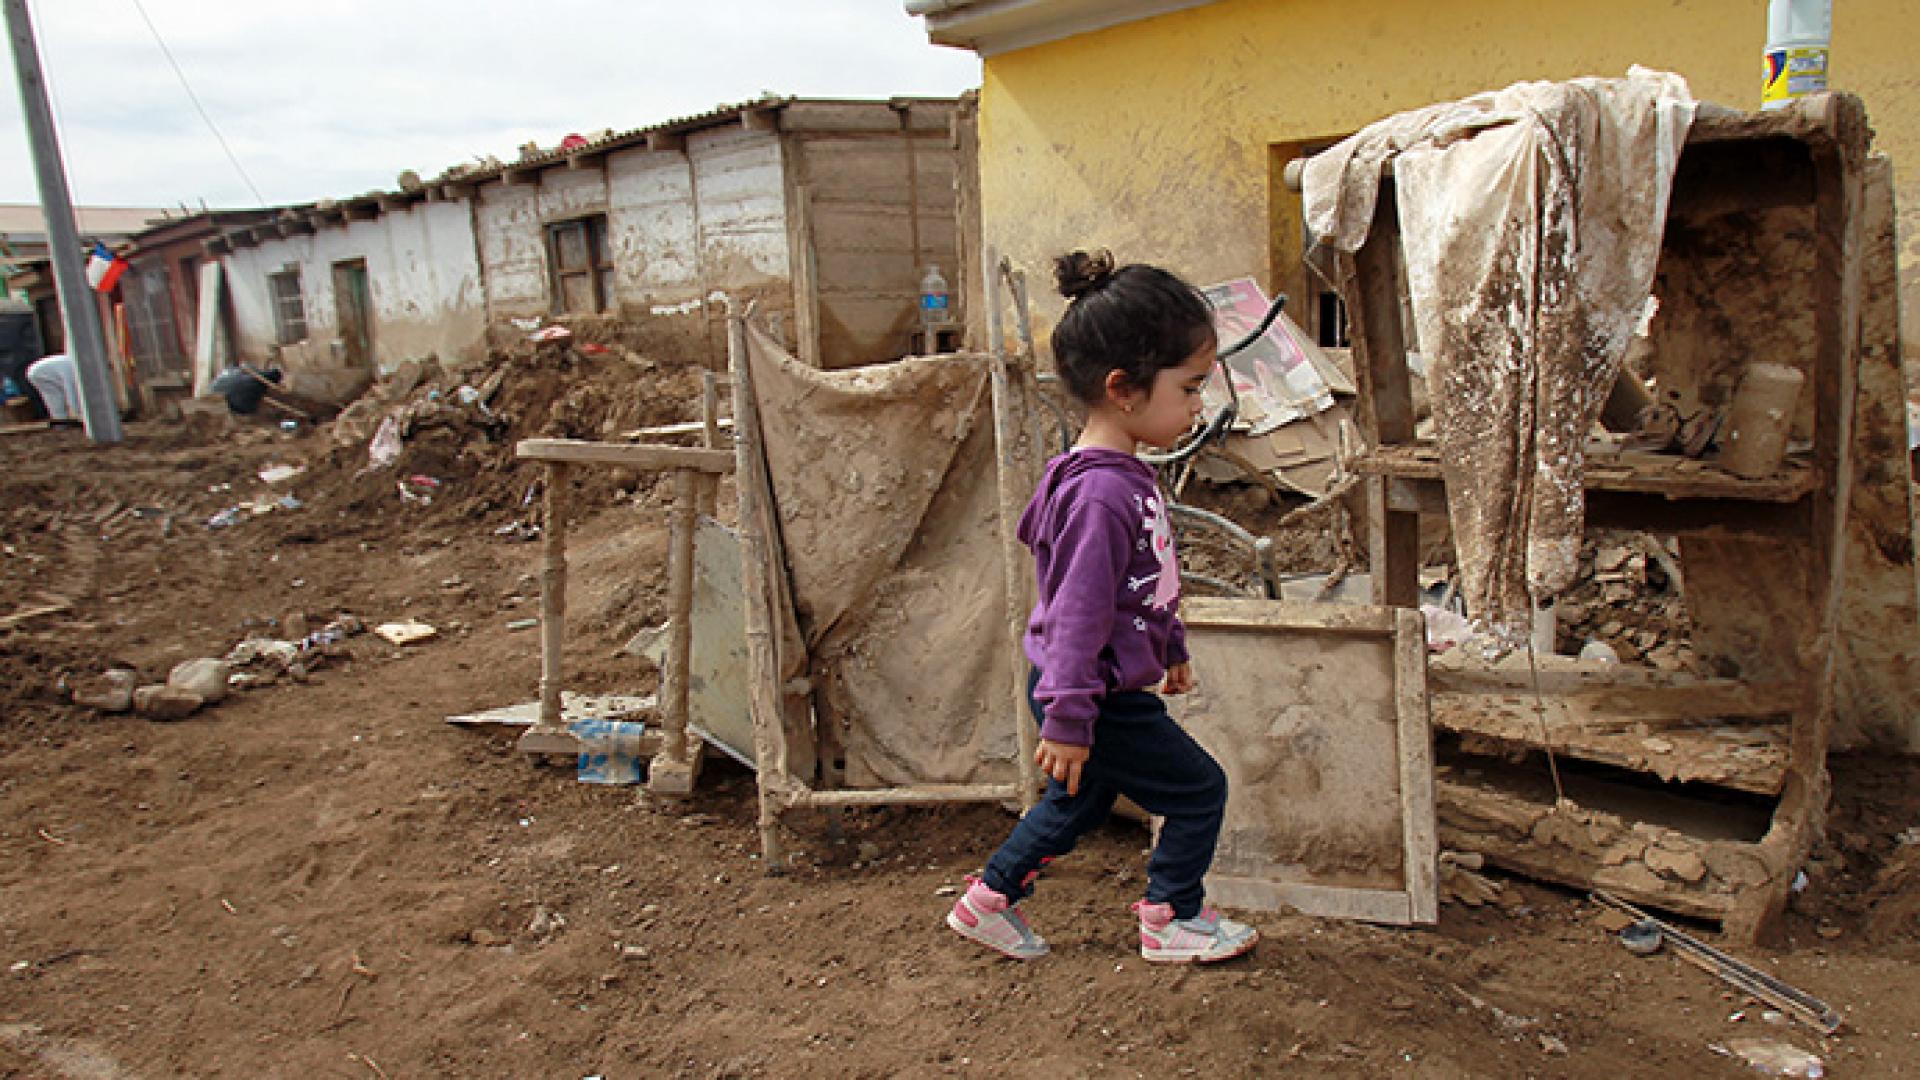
(1551, 1044)
(162, 702)
(545, 923)
(485, 937)
(1685, 865)
(1613, 921)
(112, 692)
(295, 626)
(869, 851)
(207, 678)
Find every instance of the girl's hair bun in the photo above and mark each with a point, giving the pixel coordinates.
(1082, 272)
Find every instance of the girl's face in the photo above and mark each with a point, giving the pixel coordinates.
(1170, 406)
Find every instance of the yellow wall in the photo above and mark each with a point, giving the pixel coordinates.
(1153, 138)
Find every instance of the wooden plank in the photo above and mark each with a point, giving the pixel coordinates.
(1416, 765)
(1386, 400)
(553, 597)
(24, 615)
(684, 427)
(1010, 494)
(629, 455)
(758, 569)
(796, 795)
(841, 117)
(1839, 160)
(1236, 613)
(1654, 474)
(677, 767)
(1320, 901)
(1674, 744)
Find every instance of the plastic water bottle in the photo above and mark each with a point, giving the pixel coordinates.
(1795, 63)
(933, 302)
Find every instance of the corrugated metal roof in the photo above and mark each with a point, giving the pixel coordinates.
(18, 219)
(621, 139)
(466, 174)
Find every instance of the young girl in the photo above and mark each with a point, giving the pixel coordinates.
(1135, 346)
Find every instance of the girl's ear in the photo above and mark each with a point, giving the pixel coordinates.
(1121, 391)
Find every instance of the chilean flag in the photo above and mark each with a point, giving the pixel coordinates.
(104, 268)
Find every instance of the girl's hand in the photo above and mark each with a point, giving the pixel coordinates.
(1062, 761)
(1179, 679)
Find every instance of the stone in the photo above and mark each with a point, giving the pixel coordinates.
(112, 692)
(162, 702)
(294, 626)
(1685, 865)
(207, 678)
(868, 851)
(544, 923)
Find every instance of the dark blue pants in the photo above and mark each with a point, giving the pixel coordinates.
(1140, 752)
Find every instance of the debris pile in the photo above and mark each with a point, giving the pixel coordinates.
(1627, 597)
(191, 685)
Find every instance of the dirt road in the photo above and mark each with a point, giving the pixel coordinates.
(322, 878)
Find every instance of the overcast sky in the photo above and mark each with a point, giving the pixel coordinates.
(326, 98)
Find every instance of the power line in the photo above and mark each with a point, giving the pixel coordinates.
(195, 98)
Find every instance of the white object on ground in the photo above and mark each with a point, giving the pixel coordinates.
(58, 383)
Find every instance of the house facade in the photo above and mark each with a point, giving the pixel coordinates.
(823, 213)
(1160, 128)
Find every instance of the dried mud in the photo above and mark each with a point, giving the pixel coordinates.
(324, 879)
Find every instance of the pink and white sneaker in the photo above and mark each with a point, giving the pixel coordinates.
(992, 920)
(1202, 939)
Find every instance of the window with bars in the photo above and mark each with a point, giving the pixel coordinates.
(582, 272)
(289, 307)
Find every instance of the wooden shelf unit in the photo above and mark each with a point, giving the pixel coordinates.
(1761, 558)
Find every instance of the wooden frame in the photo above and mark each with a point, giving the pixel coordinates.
(773, 703)
(696, 473)
(1318, 713)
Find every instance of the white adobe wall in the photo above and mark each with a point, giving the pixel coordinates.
(421, 270)
(680, 224)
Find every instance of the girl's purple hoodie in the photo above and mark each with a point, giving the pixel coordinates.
(1109, 587)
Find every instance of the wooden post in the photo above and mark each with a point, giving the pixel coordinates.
(675, 769)
(549, 733)
(763, 665)
(1014, 562)
(709, 490)
(1386, 401)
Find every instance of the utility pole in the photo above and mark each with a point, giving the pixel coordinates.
(99, 406)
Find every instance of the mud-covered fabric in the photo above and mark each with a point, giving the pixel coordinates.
(884, 481)
(1530, 221)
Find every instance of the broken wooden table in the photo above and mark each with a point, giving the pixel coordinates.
(696, 472)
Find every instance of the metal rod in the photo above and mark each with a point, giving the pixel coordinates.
(1801, 1005)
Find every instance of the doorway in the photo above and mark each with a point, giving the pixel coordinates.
(353, 310)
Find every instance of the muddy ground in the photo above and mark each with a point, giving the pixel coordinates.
(320, 877)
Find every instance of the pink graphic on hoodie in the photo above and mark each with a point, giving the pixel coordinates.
(1160, 533)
